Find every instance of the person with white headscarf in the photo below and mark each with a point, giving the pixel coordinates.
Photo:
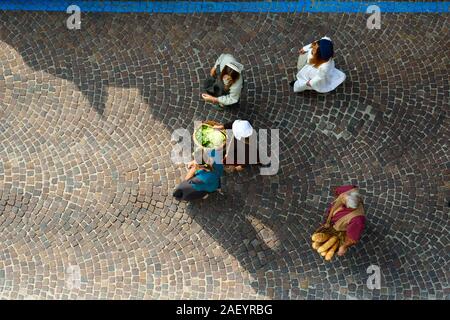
(225, 83)
(242, 132)
(316, 68)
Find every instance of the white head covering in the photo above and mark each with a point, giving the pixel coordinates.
(236, 66)
(242, 129)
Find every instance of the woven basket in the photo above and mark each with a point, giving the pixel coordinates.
(210, 124)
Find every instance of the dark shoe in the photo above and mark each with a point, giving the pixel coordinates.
(292, 83)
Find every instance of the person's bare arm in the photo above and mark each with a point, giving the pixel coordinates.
(347, 243)
(210, 98)
(305, 49)
(191, 173)
(213, 72)
(191, 164)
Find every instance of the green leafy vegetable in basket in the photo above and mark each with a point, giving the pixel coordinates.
(209, 137)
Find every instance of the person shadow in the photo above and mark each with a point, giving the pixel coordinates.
(110, 52)
(107, 52)
(262, 242)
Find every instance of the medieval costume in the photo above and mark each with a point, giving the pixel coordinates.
(205, 180)
(216, 86)
(323, 78)
(344, 218)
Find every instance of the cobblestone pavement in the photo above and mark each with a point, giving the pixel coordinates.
(86, 180)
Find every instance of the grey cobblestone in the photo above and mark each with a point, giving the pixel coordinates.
(85, 176)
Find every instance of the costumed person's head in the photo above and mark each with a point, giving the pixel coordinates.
(231, 72)
(353, 199)
(325, 49)
(212, 157)
(242, 129)
(350, 195)
(322, 51)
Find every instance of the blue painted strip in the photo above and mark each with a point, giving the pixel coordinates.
(186, 7)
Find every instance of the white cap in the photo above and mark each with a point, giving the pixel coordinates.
(236, 66)
(242, 129)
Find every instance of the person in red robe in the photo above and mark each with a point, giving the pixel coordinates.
(346, 213)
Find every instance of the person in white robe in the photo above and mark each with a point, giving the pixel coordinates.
(316, 68)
